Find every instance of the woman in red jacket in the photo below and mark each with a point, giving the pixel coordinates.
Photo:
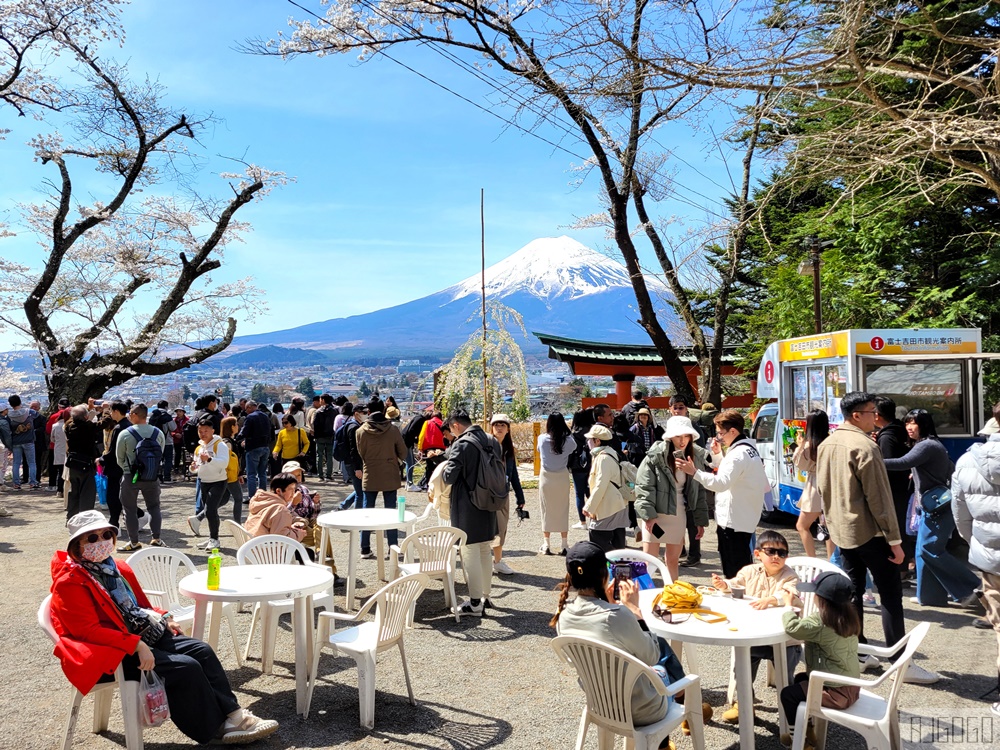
(104, 619)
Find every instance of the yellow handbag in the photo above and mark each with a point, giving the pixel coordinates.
(680, 597)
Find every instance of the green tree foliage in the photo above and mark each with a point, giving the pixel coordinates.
(259, 393)
(306, 387)
(460, 384)
(364, 390)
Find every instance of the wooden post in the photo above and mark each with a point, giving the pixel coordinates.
(536, 431)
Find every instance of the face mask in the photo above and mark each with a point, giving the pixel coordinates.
(98, 551)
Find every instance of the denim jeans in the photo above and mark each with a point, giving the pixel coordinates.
(389, 497)
(939, 573)
(356, 497)
(257, 469)
(324, 457)
(25, 452)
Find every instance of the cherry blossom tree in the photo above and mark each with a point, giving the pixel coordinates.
(124, 278)
(583, 68)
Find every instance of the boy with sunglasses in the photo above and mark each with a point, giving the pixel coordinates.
(765, 582)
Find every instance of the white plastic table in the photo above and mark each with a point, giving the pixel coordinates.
(745, 628)
(356, 520)
(258, 583)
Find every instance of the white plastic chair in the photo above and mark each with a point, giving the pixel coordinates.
(435, 553)
(240, 534)
(634, 555)
(873, 717)
(607, 676)
(807, 568)
(158, 570)
(366, 640)
(273, 549)
(102, 692)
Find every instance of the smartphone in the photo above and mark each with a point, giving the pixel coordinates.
(656, 530)
(98, 402)
(623, 572)
(679, 455)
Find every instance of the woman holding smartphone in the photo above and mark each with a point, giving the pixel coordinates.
(664, 494)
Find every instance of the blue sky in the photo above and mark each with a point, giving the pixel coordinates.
(388, 167)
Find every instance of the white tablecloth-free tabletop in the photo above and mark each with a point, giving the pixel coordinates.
(258, 583)
(746, 627)
(355, 520)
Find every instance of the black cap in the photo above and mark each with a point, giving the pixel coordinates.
(586, 563)
(64, 401)
(835, 587)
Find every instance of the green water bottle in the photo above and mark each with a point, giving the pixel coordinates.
(401, 507)
(214, 565)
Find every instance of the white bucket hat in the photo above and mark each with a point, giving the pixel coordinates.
(599, 432)
(86, 522)
(990, 428)
(500, 418)
(677, 426)
(290, 466)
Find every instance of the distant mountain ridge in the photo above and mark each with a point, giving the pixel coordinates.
(557, 284)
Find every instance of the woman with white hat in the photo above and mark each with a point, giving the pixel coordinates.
(103, 619)
(663, 493)
(500, 429)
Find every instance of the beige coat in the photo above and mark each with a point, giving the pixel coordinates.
(605, 499)
(270, 515)
(381, 447)
(852, 479)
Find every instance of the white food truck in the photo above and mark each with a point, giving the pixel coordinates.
(939, 370)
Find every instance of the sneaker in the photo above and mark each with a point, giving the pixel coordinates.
(16, 487)
(210, 544)
(51, 489)
(157, 543)
(920, 676)
(732, 714)
(195, 523)
(4, 513)
(249, 729)
(131, 547)
(35, 487)
(969, 602)
(706, 715)
(982, 623)
(868, 661)
(466, 607)
(868, 600)
(690, 563)
(503, 568)
(578, 525)
(915, 599)
(369, 555)
(544, 549)
(562, 552)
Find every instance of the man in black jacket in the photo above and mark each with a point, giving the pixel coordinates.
(256, 438)
(893, 442)
(114, 473)
(354, 464)
(461, 472)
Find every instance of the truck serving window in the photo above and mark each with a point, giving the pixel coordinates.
(818, 387)
(937, 387)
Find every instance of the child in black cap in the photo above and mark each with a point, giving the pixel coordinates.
(831, 638)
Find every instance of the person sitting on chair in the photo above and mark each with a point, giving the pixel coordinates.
(103, 619)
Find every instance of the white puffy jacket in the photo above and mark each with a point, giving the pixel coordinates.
(739, 487)
(975, 489)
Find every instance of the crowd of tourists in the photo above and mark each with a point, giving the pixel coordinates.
(882, 492)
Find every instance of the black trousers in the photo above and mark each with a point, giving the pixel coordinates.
(212, 494)
(82, 492)
(873, 557)
(114, 493)
(734, 549)
(198, 690)
(608, 540)
(694, 544)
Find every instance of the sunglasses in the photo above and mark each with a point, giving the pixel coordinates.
(774, 552)
(94, 538)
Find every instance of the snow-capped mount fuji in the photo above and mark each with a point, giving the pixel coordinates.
(558, 285)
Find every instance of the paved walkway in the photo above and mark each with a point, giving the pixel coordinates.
(479, 684)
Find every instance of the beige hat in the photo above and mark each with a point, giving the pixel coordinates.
(500, 418)
(708, 406)
(291, 466)
(392, 413)
(677, 426)
(990, 428)
(86, 522)
(643, 411)
(599, 432)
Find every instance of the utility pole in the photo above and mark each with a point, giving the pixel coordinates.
(812, 266)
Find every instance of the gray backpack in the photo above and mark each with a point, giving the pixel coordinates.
(492, 488)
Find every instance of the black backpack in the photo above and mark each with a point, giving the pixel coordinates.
(341, 450)
(411, 430)
(148, 457)
(159, 418)
(323, 422)
(579, 458)
(190, 433)
(492, 488)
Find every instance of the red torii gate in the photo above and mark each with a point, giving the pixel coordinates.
(623, 363)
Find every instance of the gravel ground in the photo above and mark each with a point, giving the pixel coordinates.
(479, 684)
